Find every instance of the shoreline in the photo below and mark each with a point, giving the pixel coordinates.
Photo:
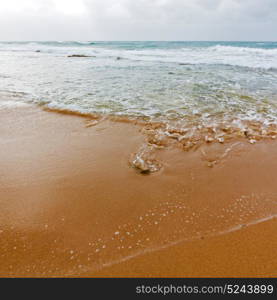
(71, 204)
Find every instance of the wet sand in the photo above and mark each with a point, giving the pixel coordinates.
(71, 204)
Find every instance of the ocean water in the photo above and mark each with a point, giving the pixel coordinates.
(198, 83)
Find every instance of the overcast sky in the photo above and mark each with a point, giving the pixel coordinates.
(138, 20)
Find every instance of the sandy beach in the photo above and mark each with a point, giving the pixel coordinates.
(72, 205)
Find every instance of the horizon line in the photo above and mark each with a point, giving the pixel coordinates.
(62, 41)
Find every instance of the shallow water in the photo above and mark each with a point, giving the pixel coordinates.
(183, 84)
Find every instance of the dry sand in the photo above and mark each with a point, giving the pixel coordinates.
(71, 205)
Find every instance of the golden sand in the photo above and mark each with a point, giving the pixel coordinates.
(72, 205)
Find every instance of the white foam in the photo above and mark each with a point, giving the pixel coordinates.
(10, 104)
(227, 55)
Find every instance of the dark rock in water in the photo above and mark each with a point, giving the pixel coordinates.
(145, 172)
(170, 73)
(79, 55)
(38, 51)
(118, 58)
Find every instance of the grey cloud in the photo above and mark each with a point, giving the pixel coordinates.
(145, 20)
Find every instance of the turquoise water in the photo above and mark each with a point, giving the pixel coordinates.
(200, 82)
